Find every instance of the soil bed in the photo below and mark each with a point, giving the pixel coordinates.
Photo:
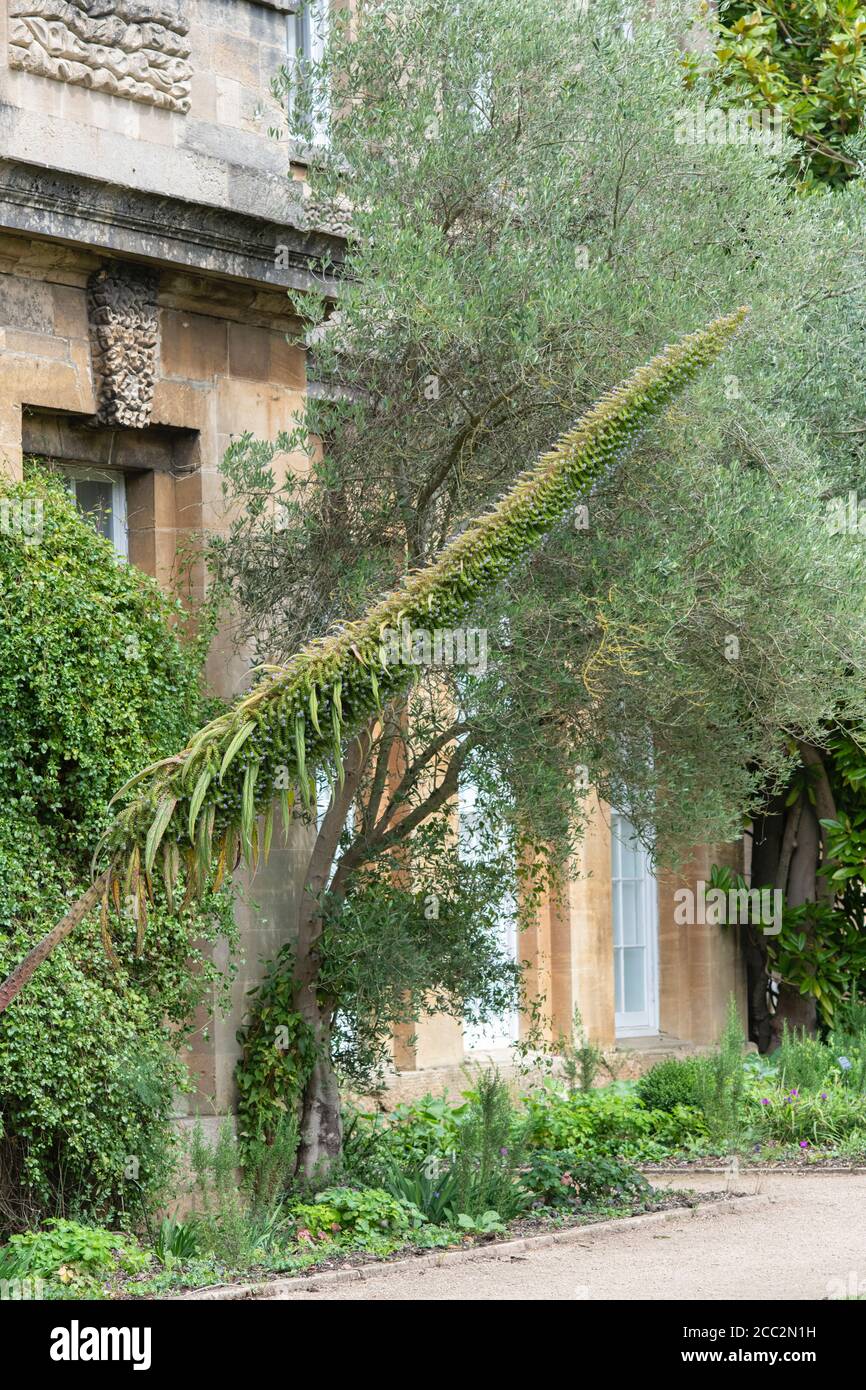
(792, 1163)
(526, 1226)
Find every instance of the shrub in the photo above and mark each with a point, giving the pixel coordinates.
(95, 677)
(802, 1061)
(608, 1121)
(561, 1180)
(675, 1081)
(242, 1193)
(803, 60)
(222, 1223)
(71, 1257)
(683, 1128)
(823, 1119)
(850, 1020)
(462, 1159)
(581, 1060)
(447, 1159)
(90, 1053)
(269, 1168)
(96, 680)
(489, 1152)
(364, 1217)
(722, 1082)
(847, 1043)
(410, 1139)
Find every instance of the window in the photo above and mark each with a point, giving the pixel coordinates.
(307, 36)
(100, 495)
(635, 932)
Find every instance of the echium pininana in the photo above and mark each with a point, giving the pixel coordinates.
(204, 803)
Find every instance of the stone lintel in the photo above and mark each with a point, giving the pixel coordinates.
(65, 438)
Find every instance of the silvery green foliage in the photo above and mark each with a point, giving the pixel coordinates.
(526, 227)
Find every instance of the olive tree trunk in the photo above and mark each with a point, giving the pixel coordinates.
(321, 1127)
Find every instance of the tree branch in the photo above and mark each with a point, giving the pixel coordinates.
(410, 778)
(361, 851)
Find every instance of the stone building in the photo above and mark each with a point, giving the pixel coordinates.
(149, 231)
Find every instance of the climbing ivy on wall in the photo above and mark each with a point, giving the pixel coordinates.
(96, 677)
(278, 1050)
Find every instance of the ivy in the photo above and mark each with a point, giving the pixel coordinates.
(278, 1053)
(96, 676)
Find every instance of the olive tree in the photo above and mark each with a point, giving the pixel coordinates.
(525, 214)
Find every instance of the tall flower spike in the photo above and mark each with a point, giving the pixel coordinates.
(207, 798)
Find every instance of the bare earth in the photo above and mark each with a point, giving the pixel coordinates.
(818, 1220)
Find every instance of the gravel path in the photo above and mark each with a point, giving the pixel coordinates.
(808, 1242)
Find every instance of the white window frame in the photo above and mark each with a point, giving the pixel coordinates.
(307, 34)
(644, 1023)
(119, 518)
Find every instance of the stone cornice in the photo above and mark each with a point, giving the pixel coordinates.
(165, 231)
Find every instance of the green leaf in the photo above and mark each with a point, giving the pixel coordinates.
(196, 800)
(248, 810)
(237, 742)
(157, 830)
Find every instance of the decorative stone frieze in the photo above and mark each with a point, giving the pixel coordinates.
(122, 311)
(128, 48)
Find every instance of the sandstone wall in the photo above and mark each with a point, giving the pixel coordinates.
(170, 96)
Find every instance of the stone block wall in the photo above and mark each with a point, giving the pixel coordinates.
(166, 96)
(569, 951)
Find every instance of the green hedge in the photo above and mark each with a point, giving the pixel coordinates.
(96, 680)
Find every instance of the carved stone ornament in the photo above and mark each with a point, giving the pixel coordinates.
(128, 48)
(121, 306)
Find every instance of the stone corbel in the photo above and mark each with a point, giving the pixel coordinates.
(124, 330)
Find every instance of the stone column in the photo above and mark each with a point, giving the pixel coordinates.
(700, 966)
(583, 968)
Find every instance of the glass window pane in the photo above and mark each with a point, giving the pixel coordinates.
(630, 854)
(634, 980)
(94, 499)
(629, 909)
(639, 916)
(617, 976)
(614, 848)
